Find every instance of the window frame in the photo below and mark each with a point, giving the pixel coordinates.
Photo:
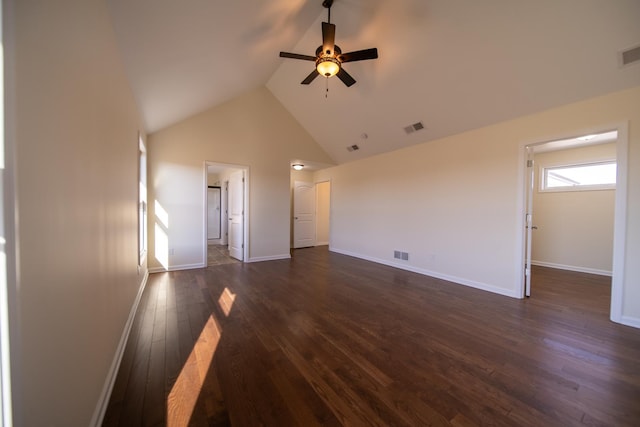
(543, 175)
(142, 201)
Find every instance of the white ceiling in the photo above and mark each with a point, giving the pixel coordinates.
(453, 65)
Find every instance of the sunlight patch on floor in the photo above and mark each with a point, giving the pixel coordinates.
(184, 395)
(226, 301)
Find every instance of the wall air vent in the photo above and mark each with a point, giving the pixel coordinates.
(353, 147)
(630, 56)
(413, 128)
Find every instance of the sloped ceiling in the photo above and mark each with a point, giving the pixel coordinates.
(452, 65)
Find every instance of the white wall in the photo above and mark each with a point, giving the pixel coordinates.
(253, 130)
(76, 128)
(575, 228)
(453, 203)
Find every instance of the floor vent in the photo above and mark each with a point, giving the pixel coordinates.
(630, 56)
(353, 147)
(413, 128)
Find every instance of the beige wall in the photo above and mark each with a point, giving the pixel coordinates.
(76, 129)
(575, 228)
(253, 130)
(453, 203)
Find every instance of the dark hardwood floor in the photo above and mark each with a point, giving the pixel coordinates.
(325, 339)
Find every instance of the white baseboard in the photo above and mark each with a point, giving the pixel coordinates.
(103, 401)
(322, 243)
(269, 258)
(634, 322)
(449, 278)
(572, 268)
(176, 268)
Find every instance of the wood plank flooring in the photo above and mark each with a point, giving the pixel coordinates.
(325, 339)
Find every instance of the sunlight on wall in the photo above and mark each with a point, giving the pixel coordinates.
(226, 301)
(185, 392)
(161, 237)
(161, 214)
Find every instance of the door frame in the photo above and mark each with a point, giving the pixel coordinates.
(247, 210)
(620, 212)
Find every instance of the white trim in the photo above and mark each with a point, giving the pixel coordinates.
(457, 280)
(620, 224)
(634, 322)
(269, 258)
(177, 268)
(573, 268)
(322, 243)
(103, 401)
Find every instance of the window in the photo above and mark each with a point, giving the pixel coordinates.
(585, 176)
(142, 200)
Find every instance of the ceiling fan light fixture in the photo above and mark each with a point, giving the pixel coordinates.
(298, 166)
(328, 66)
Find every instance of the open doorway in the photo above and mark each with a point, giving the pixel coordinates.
(574, 210)
(226, 213)
(310, 208)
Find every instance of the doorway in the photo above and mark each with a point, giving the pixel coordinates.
(310, 212)
(554, 178)
(232, 244)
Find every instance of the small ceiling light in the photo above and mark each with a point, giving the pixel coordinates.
(298, 166)
(327, 66)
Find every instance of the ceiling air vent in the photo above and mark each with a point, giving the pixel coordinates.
(413, 128)
(630, 56)
(353, 147)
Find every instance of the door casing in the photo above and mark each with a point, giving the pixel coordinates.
(620, 216)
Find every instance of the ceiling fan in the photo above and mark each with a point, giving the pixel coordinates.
(329, 57)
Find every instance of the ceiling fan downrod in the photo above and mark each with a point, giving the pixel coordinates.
(328, 4)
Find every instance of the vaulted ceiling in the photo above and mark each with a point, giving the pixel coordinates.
(451, 65)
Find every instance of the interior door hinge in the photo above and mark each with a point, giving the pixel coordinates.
(529, 163)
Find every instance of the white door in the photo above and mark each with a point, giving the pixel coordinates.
(529, 221)
(236, 215)
(213, 213)
(304, 214)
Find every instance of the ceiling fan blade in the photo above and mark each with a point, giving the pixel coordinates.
(297, 56)
(311, 77)
(359, 55)
(345, 77)
(328, 38)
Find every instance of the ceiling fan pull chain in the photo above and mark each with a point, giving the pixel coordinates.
(326, 94)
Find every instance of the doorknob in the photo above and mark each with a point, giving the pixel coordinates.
(533, 227)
